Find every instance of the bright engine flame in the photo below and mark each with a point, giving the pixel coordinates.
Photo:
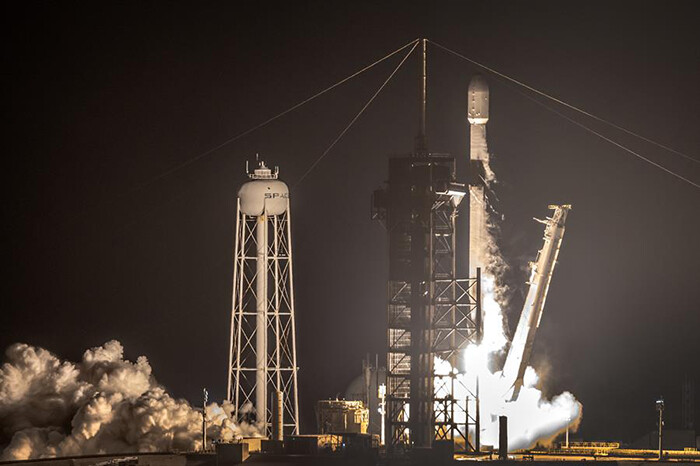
(531, 417)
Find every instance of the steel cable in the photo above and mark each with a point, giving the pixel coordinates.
(565, 104)
(269, 120)
(345, 130)
(194, 159)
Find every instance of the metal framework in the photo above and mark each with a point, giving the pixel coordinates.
(431, 312)
(263, 334)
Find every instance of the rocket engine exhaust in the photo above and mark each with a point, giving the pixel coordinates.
(531, 417)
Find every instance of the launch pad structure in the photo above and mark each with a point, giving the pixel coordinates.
(431, 311)
(434, 312)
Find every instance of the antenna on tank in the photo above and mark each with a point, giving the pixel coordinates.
(421, 142)
(205, 399)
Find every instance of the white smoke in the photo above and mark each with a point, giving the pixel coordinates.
(531, 417)
(103, 404)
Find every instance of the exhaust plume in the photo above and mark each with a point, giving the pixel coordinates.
(102, 404)
(532, 418)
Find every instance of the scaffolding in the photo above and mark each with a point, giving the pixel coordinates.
(431, 311)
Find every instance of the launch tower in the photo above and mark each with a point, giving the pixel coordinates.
(262, 358)
(431, 311)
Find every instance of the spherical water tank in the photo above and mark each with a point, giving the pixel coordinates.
(264, 193)
(478, 101)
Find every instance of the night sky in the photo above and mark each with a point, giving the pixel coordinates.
(102, 99)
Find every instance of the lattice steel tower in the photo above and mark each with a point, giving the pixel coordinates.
(431, 311)
(262, 359)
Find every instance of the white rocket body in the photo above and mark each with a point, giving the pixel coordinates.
(480, 173)
(478, 101)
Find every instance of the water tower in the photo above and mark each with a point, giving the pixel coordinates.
(262, 376)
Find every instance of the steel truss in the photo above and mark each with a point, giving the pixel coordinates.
(430, 313)
(263, 243)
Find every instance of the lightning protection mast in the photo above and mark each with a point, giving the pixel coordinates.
(262, 353)
(431, 312)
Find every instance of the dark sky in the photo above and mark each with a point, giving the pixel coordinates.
(102, 98)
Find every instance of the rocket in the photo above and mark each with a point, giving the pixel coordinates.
(480, 176)
(479, 172)
(478, 101)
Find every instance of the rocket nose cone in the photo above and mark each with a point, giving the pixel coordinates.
(478, 101)
(478, 85)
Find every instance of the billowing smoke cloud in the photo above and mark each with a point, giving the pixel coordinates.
(531, 417)
(103, 404)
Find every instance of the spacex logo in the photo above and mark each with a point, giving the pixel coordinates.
(276, 195)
